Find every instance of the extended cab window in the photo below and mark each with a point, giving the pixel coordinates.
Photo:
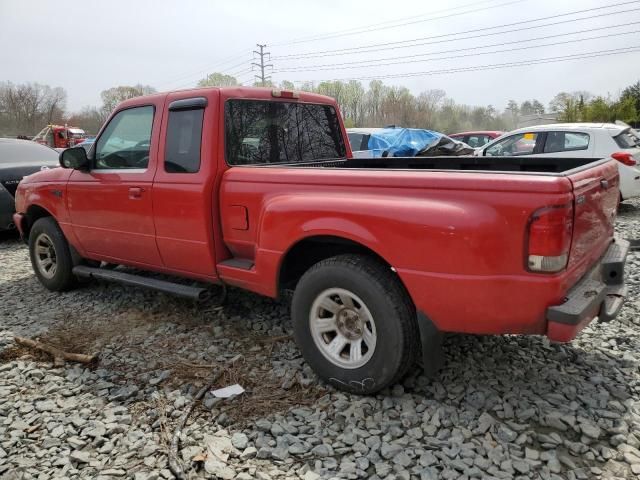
(184, 134)
(566, 142)
(126, 140)
(262, 132)
(519, 144)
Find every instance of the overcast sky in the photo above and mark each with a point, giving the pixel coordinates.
(88, 46)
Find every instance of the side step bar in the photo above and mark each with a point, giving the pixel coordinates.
(193, 293)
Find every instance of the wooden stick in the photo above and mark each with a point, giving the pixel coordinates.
(59, 356)
(174, 448)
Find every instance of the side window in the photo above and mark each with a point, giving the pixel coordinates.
(566, 142)
(184, 135)
(125, 142)
(519, 144)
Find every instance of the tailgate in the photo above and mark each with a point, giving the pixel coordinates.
(596, 193)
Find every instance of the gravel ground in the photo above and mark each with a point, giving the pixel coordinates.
(502, 407)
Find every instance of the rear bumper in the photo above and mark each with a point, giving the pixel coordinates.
(599, 294)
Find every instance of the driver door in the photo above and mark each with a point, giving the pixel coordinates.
(110, 206)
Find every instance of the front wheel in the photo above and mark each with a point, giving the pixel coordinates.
(50, 255)
(354, 323)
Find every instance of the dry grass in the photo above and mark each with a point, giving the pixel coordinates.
(127, 334)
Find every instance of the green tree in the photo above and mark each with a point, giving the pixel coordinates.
(113, 96)
(625, 109)
(632, 92)
(218, 80)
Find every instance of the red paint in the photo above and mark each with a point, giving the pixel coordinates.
(489, 133)
(456, 239)
(60, 136)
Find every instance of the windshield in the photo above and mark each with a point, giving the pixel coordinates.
(260, 132)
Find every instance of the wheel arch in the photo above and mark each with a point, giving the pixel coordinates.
(34, 212)
(311, 249)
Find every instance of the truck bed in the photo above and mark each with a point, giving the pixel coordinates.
(529, 164)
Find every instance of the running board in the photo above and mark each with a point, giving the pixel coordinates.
(193, 293)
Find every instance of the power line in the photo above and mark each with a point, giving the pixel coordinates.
(464, 49)
(225, 61)
(497, 66)
(474, 54)
(263, 79)
(392, 45)
(385, 25)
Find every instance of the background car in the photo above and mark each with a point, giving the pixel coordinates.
(478, 138)
(576, 140)
(359, 140)
(19, 158)
(87, 143)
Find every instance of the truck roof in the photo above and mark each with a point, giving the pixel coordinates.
(258, 93)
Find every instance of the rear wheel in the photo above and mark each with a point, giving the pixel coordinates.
(354, 323)
(50, 255)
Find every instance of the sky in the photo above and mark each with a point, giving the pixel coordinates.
(457, 46)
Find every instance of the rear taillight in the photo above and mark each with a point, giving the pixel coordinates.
(625, 158)
(549, 239)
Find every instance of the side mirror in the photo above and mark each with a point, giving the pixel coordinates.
(75, 158)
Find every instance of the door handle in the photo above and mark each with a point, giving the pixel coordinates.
(604, 184)
(135, 192)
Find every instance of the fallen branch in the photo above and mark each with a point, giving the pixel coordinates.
(59, 356)
(174, 448)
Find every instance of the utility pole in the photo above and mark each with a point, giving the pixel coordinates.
(262, 78)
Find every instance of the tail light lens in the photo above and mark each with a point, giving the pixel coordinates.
(549, 239)
(625, 158)
(284, 94)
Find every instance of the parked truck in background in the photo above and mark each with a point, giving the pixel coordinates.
(255, 188)
(60, 136)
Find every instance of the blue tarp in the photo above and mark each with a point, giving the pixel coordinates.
(402, 142)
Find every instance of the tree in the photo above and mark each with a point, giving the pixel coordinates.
(218, 80)
(513, 111)
(632, 92)
(538, 107)
(567, 105)
(287, 85)
(113, 96)
(26, 108)
(89, 119)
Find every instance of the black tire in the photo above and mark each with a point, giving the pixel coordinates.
(396, 346)
(44, 230)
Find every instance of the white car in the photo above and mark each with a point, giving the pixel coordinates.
(359, 140)
(577, 140)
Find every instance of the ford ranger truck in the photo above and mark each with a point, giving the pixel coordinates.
(254, 188)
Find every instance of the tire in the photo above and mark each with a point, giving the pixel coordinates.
(50, 255)
(378, 323)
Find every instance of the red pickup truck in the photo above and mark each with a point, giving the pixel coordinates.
(255, 188)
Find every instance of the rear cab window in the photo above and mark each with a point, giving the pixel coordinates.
(566, 142)
(259, 132)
